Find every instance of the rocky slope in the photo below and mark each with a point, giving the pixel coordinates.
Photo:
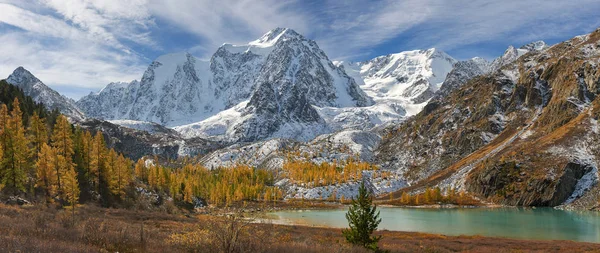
(162, 142)
(36, 89)
(524, 134)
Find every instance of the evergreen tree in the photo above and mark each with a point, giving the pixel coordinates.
(363, 221)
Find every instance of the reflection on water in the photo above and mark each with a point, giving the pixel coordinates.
(523, 223)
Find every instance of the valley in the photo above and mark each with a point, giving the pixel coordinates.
(423, 118)
(274, 127)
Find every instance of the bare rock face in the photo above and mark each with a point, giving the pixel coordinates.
(503, 182)
(135, 144)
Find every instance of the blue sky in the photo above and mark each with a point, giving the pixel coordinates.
(78, 46)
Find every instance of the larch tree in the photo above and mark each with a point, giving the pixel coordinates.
(38, 133)
(97, 159)
(16, 154)
(4, 119)
(70, 192)
(62, 137)
(3, 140)
(120, 174)
(141, 171)
(63, 144)
(87, 141)
(111, 163)
(46, 172)
(1, 156)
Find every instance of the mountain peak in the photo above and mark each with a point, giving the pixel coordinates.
(275, 35)
(36, 89)
(114, 86)
(435, 52)
(535, 46)
(21, 75)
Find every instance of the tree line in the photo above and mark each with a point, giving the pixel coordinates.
(57, 162)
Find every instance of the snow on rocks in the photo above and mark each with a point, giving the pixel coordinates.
(378, 186)
(36, 89)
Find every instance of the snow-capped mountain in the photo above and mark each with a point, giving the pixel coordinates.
(406, 80)
(36, 89)
(512, 54)
(283, 85)
(102, 104)
(268, 87)
(464, 71)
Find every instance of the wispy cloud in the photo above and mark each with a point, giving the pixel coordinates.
(87, 43)
(217, 22)
(62, 52)
(461, 22)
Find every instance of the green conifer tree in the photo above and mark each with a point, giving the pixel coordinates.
(363, 219)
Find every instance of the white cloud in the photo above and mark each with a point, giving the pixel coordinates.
(63, 55)
(88, 43)
(107, 20)
(217, 22)
(462, 22)
(66, 64)
(359, 25)
(38, 24)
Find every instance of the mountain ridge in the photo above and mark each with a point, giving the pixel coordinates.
(33, 87)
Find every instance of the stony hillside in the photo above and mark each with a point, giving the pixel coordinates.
(525, 134)
(161, 141)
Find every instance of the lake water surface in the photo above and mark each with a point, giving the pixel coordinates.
(520, 223)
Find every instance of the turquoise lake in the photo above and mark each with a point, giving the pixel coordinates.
(519, 223)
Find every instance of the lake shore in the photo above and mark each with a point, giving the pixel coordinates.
(508, 222)
(95, 229)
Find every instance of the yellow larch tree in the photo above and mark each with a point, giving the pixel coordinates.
(97, 159)
(16, 154)
(62, 143)
(46, 172)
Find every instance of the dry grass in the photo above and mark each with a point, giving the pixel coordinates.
(38, 229)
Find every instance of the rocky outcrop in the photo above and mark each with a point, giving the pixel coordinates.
(136, 143)
(511, 183)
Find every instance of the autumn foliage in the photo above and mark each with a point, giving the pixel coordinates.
(325, 173)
